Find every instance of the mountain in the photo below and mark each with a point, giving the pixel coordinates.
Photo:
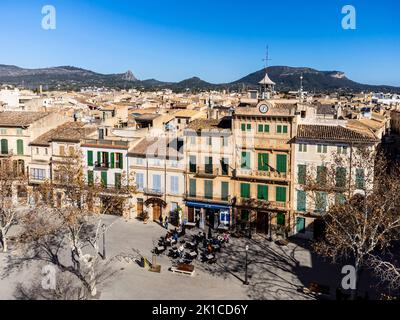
(62, 77)
(286, 79)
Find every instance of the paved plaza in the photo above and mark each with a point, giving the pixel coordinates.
(275, 272)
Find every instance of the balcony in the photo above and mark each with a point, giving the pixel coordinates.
(263, 204)
(153, 192)
(207, 171)
(273, 175)
(6, 153)
(212, 198)
(102, 166)
(106, 143)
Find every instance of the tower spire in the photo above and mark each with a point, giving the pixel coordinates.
(266, 82)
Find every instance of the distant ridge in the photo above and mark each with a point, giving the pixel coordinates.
(286, 79)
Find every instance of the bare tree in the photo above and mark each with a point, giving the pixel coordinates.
(363, 211)
(9, 181)
(67, 235)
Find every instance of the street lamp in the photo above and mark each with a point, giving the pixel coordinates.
(246, 282)
(104, 241)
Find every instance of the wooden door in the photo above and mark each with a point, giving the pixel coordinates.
(156, 212)
(191, 214)
(262, 222)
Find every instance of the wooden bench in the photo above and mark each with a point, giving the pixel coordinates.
(185, 269)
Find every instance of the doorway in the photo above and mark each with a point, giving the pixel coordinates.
(156, 212)
(262, 225)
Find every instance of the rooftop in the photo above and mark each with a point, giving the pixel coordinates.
(20, 118)
(156, 147)
(70, 131)
(332, 133)
(210, 124)
(185, 113)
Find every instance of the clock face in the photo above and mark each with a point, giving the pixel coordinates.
(263, 108)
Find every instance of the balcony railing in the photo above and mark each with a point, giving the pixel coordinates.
(6, 153)
(107, 143)
(101, 165)
(271, 174)
(210, 198)
(207, 171)
(263, 204)
(153, 192)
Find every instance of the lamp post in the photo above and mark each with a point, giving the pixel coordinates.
(246, 282)
(104, 241)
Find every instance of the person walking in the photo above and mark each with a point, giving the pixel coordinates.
(166, 222)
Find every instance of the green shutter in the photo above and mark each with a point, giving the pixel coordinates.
(320, 201)
(208, 189)
(224, 191)
(248, 127)
(90, 158)
(245, 190)
(243, 127)
(260, 128)
(104, 179)
(301, 200)
(321, 175)
(192, 187)
(98, 158)
(281, 162)
(360, 179)
(245, 160)
(4, 146)
(340, 199)
(107, 159)
(279, 129)
(281, 194)
(117, 180)
(263, 162)
(20, 147)
(340, 177)
(301, 173)
(280, 219)
(262, 192)
(266, 128)
(112, 160)
(90, 177)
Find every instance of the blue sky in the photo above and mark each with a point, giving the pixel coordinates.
(219, 41)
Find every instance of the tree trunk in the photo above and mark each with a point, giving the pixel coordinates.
(354, 292)
(3, 241)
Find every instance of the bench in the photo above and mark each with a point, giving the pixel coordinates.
(185, 269)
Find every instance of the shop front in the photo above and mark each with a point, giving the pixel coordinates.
(206, 214)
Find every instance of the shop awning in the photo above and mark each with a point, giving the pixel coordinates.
(207, 205)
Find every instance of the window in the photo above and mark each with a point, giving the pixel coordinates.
(192, 187)
(224, 141)
(157, 182)
(340, 177)
(301, 200)
(245, 190)
(209, 141)
(280, 194)
(302, 147)
(321, 148)
(262, 192)
(263, 162)
(174, 206)
(320, 201)
(263, 128)
(224, 191)
(246, 127)
(208, 165)
(192, 164)
(62, 151)
(281, 128)
(4, 146)
(46, 151)
(19, 132)
(281, 162)
(90, 158)
(245, 164)
(174, 184)
(340, 199)
(117, 180)
(3, 131)
(112, 160)
(208, 189)
(119, 163)
(225, 166)
(90, 177)
(300, 225)
(360, 179)
(139, 161)
(37, 150)
(71, 150)
(139, 177)
(20, 147)
(192, 140)
(301, 173)
(342, 149)
(38, 174)
(321, 175)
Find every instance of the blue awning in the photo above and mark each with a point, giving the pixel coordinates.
(207, 205)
